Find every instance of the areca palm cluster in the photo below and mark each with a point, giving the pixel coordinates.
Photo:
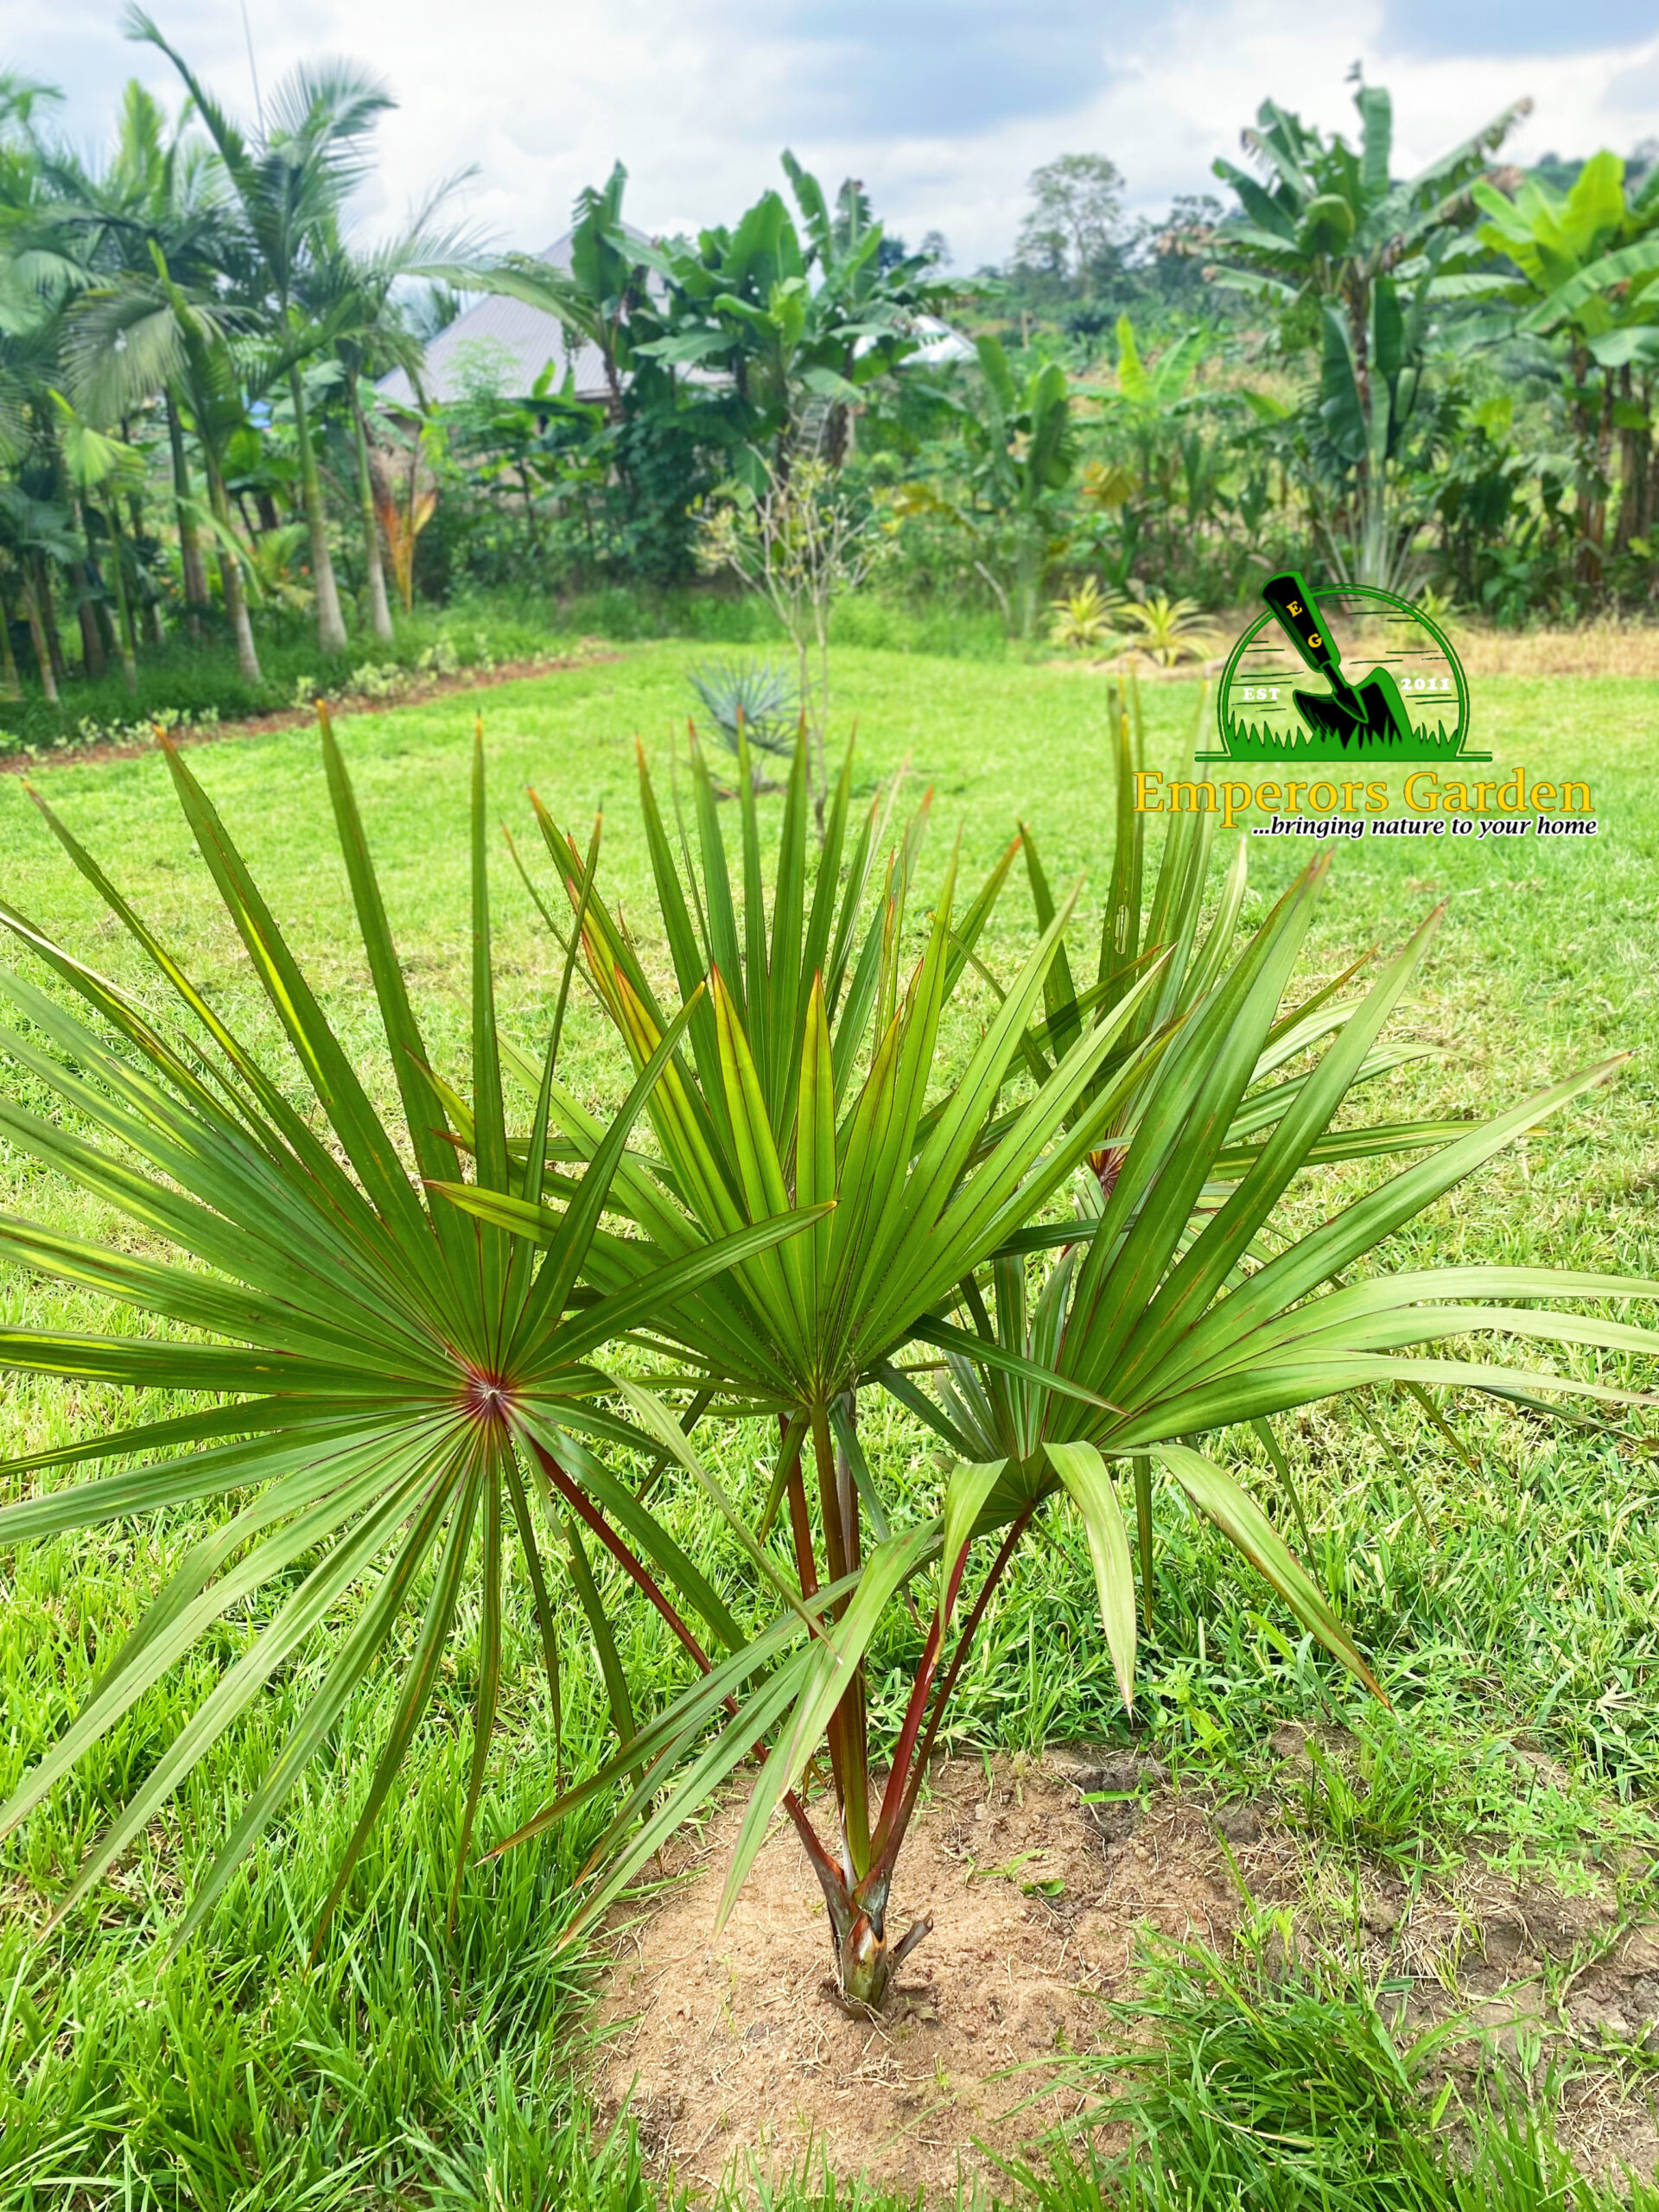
(287, 184)
(199, 277)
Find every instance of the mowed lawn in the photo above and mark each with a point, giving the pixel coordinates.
(1507, 1583)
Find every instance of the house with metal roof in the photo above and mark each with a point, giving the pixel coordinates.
(504, 345)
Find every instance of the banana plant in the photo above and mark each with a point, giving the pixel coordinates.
(385, 1385)
(1023, 447)
(1352, 256)
(1153, 414)
(1162, 1321)
(1583, 266)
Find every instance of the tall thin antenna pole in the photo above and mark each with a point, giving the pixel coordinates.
(253, 69)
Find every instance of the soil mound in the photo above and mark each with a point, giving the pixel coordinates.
(734, 2048)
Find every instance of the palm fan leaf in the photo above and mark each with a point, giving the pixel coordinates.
(1167, 1318)
(390, 1390)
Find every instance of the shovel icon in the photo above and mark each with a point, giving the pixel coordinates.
(1364, 714)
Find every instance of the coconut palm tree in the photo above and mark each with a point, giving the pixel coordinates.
(352, 292)
(290, 178)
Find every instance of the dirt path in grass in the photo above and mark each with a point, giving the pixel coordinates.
(735, 2057)
(438, 687)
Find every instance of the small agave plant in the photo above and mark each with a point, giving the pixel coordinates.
(1099, 1333)
(393, 1392)
(759, 695)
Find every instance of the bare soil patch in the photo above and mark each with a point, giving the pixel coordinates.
(734, 2048)
(735, 2057)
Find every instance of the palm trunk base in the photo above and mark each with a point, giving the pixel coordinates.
(866, 1964)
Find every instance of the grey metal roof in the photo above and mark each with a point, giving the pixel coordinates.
(504, 345)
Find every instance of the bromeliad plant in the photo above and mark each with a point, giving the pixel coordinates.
(1162, 1321)
(393, 1385)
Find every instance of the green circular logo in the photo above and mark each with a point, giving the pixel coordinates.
(1355, 674)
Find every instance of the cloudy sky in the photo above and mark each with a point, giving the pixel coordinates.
(944, 107)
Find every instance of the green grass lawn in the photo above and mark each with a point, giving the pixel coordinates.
(1509, 1596)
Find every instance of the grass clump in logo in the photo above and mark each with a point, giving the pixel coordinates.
(1387, 685)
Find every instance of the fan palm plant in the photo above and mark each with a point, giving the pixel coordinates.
(812, 1057)
(1168, 1317)
(387, 1383)
(1174, 914)
(1164, 1318)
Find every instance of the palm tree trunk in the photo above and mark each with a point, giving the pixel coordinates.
(123, 605)
(55, 660)
(108, 641)
(230, 577)
(331, 627)
(9, 679)
(1634, 446)
(1028, 575)
(379, 611)
(37, 631)
(152, 620)
(92, 645)
(190, 560)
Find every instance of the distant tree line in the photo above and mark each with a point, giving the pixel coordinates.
(1442, 382)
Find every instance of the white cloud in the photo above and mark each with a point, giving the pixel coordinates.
(698, 99)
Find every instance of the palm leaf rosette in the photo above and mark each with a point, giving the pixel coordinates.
(814, 1074)
(392, 1387)
(1170, 912)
